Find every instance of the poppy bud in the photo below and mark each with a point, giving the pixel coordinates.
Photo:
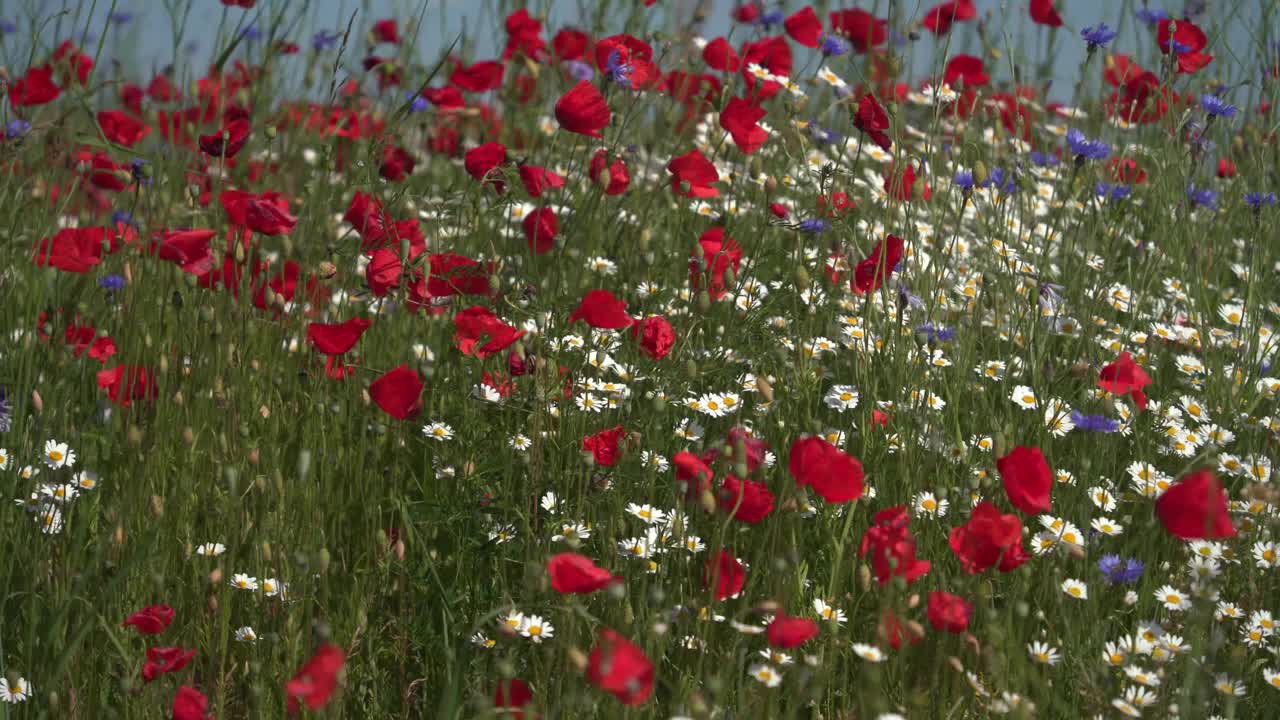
(864, 577)
(495, 284)
(271, 132)
(157, 506)
(645, 236)
(215, 576)
(704, 302)
(577, 659)
(37, 402)
(708, 501)
(771, 185)
(117, 536)
(801, 277)
(322, 561)
(304, 464)
(980, 173)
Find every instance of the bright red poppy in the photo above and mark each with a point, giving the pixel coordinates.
(804, 27)
(1027, 479)
(122, 128)
(606, 446)
(337, 338)
(872, 120)
(725, 575)
(150, 620)
(190, 704)
(602, 310)
(1044, 13)
(576, 574)
(692, 175)
(583, 110)
(316, 680)
(834, 475)
(398, 392)
(871, 273)
(162, 660)
(656, 336)
(949, 613)
(1195, 508)
(788, 632)
(987, 540)
(477, 323)
(620, 668)
(740, 118)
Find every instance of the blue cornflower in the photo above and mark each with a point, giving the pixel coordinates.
(1151, 16)
(579, 70)
(1107, 191)
(250, 33)
(940, 333)
(1001, 180)
(1257, 200)
(1040, 159)
(907, 298)
(964, 180)
(112, 282)
(122, 217)
(1098, 36)
(1086, 149)
(417, 103)
(619, 71)
(1202, 197)
(833, 46)
(1215, 106)
(1132, 571)
(16, 129)
(139, 170)
(812, 225)
(120, 17)
(1094, 423)
(1120, 571)
(324, 40)
(771, 18)
(821, 135)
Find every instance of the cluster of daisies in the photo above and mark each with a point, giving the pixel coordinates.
(57, 484)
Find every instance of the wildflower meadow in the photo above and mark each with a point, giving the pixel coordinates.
(639, 359)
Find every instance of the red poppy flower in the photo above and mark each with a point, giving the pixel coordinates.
(576, 574)
(605, 446)
(1126, 170)
(949, 613)
(190, 704)
(619, 177)
(1044, 13)
(570, 44)
(656, 336)
(804, 27)
(444, 98)
(771, 53)
(122, 128)
(719, 253)
(150, 620)
(1195, 508)
(746, 13)
(893, 632)
(524, 36)
(480, 77)
(835, 476)
(398, 392)
(740, 118)
(939, 18)
(316, 680)
(748, 500)
(397, 163)
(719, 55)
(1125, 377)
(620, 668)
(583, 110)
(692, 474)
(967, 69)
(188, 249)
(73, 250)
(337, 338)
(1185, 39)
(108, 175)
(899, 186)
(540, 229)
(1226, 168)
(863, 30)
(872, 120)
(602, 310)
(538, 179)
(387, 31)
(480, 161)
(692, 175)
(512, 695)
(126, 383)
(788, 632)
(228, 141)
(161, 660)
(1027, 479)
(631, 51)
(457, 275)
(266, 213)
(382, 274)
(988, 539)
(869, 274)
(479, 323)
(34, 88)
(892, 547)
(725, 574)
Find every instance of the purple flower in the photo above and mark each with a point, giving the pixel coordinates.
(1202, 197)
(964, 180)
(139, 170)
(417, 103)
(1120, 571)
(324, 40)
(7, 27)
(833, 46)
(122, 217)
(16, 129)
(619, 71)
(940, 333)
(1039, 159)
(120, 17)
(812, 225)
(1107, 191)
(1257, 200)
(771, 18)
(579, 70)
(1151, 16)
(1097, 36)
(1094, 423)
(1215, 106)
(1085, 149)
(112, 282)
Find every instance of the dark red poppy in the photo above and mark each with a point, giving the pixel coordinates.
(746, 13)
(630, 51)
(524, 36)
(540, 229)
(1195, 508)
(150, 620)
(656, 336)
(1027, 479)
(36, 87)
(988, 539)
(1125, 377)
(190, 704)
(834, 475)
(602, 310)
(892, 547)
(457, 275)
(228, 141)
(398, 392)
(869, 274)
(939, 18)
(107, 174)
(480, 77)
(872, 120)
(1226, 169)
(480, 161)
(570, 44)
(239, 3)
(337, 338)
(740, 118)
(512, 695)
(1185, 39)
(692, 175)
(620, 668)
(719, 253)
(949, 613)
(724, 575)
(967, 69)
(693, 476)
(583, 110)
(397, 163)
(265, 213)
(804, 27)
(576, 574)
(1044, 13)
(122, 128)
(474, 324)
(382, 274)
(73, 250)
(788, 632)
(719, 55)
(316, 680)
(1126, 170)
(618, 176)
(605, 446)
(187, 248)
(748, 501)
(387, 31)
(126, 383)
(72, 64)
(444, 98)
(537, 180)
(863, 30)
(162, 660)
(893, 632)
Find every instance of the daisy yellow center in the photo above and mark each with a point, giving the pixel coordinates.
(929, 504)
(1172, 599)
(1269, 555)
(56, 455)
(535, 629)
(1028, 399)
